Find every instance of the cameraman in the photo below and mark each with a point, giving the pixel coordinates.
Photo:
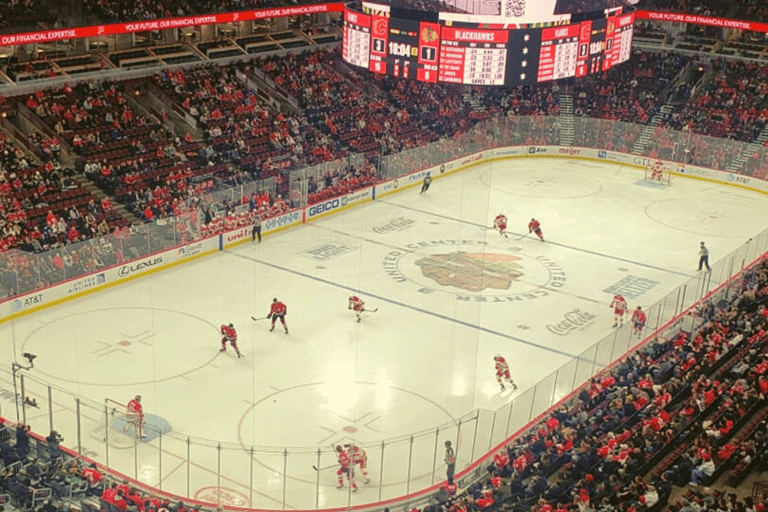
(53, 441)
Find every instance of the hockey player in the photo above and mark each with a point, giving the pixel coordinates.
(535, 227)
(229, 334)
(278, 310)
(502, 372)
(638, 320)
(500, 223)
(657, 171)
(360, 458)
(357, 305)
(345, 468)
(427, 182)
(619, 305)
(134, 413)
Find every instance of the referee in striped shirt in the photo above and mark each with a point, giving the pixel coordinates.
(704, 256)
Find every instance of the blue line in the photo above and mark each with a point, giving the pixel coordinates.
(397, 303)
(551, 243)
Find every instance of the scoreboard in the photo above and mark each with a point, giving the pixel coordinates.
(478, 54)
(473, 56)
(357, 38)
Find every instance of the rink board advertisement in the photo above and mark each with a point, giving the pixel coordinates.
(417, 178)
(338, 204)
(127, 271)
(104, 278)
(246, 234)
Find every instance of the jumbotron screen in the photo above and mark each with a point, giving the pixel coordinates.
(478, 54)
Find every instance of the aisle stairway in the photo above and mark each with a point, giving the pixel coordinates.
(566, 120)
(738, 163)
(470, 100)
(647, 134)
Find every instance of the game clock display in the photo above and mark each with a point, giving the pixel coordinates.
(404, 48)
(476, 54)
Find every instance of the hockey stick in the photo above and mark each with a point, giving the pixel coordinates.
(525, 235)
(257, 319)
(324, 467)
(370, 310)
(486, 228)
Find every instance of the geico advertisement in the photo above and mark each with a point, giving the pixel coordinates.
(339, 202)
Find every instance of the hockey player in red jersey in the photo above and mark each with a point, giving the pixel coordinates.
(357, 305)
(345, 468)
(500, 223)
(278, 310)
(502, 372)
(638, 320)
(360, 458)
(535, 227)
(657, 171)
(229, 334)
(134, 413)
(619, 306)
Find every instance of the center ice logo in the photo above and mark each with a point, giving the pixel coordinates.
(474, 271)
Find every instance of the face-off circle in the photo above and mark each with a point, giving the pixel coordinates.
(108, 346)
(339, 413)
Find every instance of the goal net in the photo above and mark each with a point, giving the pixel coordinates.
(658, 172)
(118, 427)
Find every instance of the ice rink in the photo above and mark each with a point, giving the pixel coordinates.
(450, 294)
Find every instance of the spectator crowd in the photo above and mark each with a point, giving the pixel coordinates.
(101, 133)
(679, 412)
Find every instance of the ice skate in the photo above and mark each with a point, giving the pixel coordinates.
(272, 328)
(367, 481)
(223, 350)
(340, 486)
(286, 331)
(615, 324)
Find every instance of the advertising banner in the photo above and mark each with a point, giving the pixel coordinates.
(45, 36)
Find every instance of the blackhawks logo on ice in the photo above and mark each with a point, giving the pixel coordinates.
(474, 271)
